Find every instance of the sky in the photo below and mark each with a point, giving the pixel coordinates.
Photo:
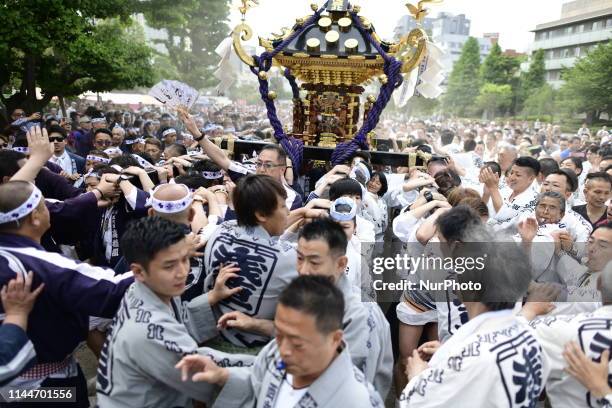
(513, 19)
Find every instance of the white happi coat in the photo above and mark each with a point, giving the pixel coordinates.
(147, 339)
(340, 385)
(510, 212)
(593, 333)
(494, 360)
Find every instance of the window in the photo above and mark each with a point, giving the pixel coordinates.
(577, 52)
(609, 22)
(588, 26)
(569, 30)
(580, 28)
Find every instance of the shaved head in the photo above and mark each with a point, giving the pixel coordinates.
(12, 195)
(173, 192)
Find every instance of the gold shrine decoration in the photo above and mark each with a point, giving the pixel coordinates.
(411, 49)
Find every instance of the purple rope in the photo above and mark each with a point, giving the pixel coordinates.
(295, 89)
(294, 147)
(392, 69)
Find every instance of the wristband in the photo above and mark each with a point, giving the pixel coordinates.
(199, 139)
(428, 196)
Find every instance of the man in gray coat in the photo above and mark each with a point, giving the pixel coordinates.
(307, 364)
(148, 336)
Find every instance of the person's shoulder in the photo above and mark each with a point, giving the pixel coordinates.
(360, 391)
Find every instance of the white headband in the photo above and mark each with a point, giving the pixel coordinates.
(212, 175)
(171, 207)
(24, 209)
(92, 173)
(24, 150)
(98, 120)
(145, 164)
(134, 141)
(360, 168)
(168, 131)
(97, 159)
(113, 150)
(343, 216)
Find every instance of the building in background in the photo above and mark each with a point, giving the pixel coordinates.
(583, 25)
(449, 32)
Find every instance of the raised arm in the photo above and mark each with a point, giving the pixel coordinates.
(212, 150)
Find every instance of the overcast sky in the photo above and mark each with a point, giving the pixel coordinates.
(513, 19)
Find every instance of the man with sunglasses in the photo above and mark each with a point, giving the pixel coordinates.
(72, 165)
(272, 161)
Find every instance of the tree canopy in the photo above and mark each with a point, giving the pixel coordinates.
(464, 80)
(66, 48)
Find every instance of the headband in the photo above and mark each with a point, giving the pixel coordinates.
(145, 164)
(97, 159)
(343, 216)
(360, 168)
(113, 150)
(98, 120)
(168, 131)
(92, 173)
(172, 207)
(212, 175)
(134, 141)
(24, 209)
(23, 150)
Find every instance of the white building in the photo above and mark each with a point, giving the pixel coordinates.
(448, 31)
(583, 25)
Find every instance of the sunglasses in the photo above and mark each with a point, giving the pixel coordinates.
(103, 143)
(56, 139)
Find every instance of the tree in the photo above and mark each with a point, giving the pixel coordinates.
(587, 87)
(194, 29)
(493, 98)
(541, 102)
(464, 82)
(66, 48)
(534, 78)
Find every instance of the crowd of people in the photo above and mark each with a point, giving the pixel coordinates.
(201, 279)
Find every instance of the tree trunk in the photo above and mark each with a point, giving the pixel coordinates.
(29, 78)
(63, 107)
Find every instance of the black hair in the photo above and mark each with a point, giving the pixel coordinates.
(56, 129)
(494, 166)
(327, 230)
(548, 166)
(457, 222)
(577, 162)
(125, 161)
(9, 163)
(282, 155)
(366, 156)
(528, 162)
(318, 297)
(192, 180)
(145, 237)
(594, 149)
(469, 145)
(177, 149)
(345, 187)
(260, 189)
(601, 176)
(570, 178)
(103, 130)
(384, 186)
(447, 136)
(210, 166)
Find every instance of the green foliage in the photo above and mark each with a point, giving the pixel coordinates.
(534, 78)
(194, 29)
(541, 102)
(464, 81)
(494, 98)
(498, 68)
(68, 47)
(587, 87)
